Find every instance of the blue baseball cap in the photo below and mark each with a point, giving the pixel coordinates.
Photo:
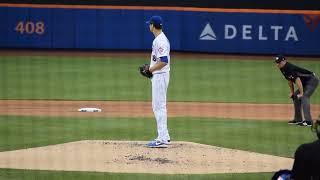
(155, 20)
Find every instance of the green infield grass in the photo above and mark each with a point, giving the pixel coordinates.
(269, 137)
(10, 174)
(110, 78)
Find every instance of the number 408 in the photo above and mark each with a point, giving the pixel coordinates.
(30, 27)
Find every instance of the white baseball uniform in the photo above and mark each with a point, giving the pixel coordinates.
(160, 82)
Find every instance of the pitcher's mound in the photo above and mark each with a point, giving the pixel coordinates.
(135, 157)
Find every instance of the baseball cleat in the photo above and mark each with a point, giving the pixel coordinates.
(157, 144)
(168, 142)
(296, 122)
(306, 123)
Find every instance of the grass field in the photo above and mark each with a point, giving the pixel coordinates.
(93, 78)
(277, 137)
(7, 174)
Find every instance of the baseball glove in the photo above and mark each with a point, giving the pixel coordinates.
(144, 70)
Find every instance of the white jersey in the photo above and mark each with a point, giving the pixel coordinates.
(160, 48)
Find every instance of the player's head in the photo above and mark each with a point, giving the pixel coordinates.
(280, 60)
(155, 22)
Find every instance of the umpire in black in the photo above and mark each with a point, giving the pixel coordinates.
(306, 82)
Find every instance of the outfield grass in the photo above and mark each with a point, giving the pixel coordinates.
(93, 78)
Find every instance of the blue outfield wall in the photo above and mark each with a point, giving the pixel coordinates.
(216, 32)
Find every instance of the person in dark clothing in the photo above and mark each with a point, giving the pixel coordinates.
(306, 164)
(306, 82)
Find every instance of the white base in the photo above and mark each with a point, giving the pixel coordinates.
(89, 110)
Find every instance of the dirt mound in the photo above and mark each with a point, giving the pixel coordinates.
(135, 157)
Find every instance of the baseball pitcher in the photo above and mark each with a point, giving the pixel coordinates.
(158, 72)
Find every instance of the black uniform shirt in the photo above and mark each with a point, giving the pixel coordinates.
(307, 162)
(292, 72)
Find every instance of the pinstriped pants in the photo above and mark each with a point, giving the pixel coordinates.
(160, 84)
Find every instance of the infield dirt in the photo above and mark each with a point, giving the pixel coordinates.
(277, 112)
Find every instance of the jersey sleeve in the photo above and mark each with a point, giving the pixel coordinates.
(300, 72)
(162, 50)
(292, 74)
